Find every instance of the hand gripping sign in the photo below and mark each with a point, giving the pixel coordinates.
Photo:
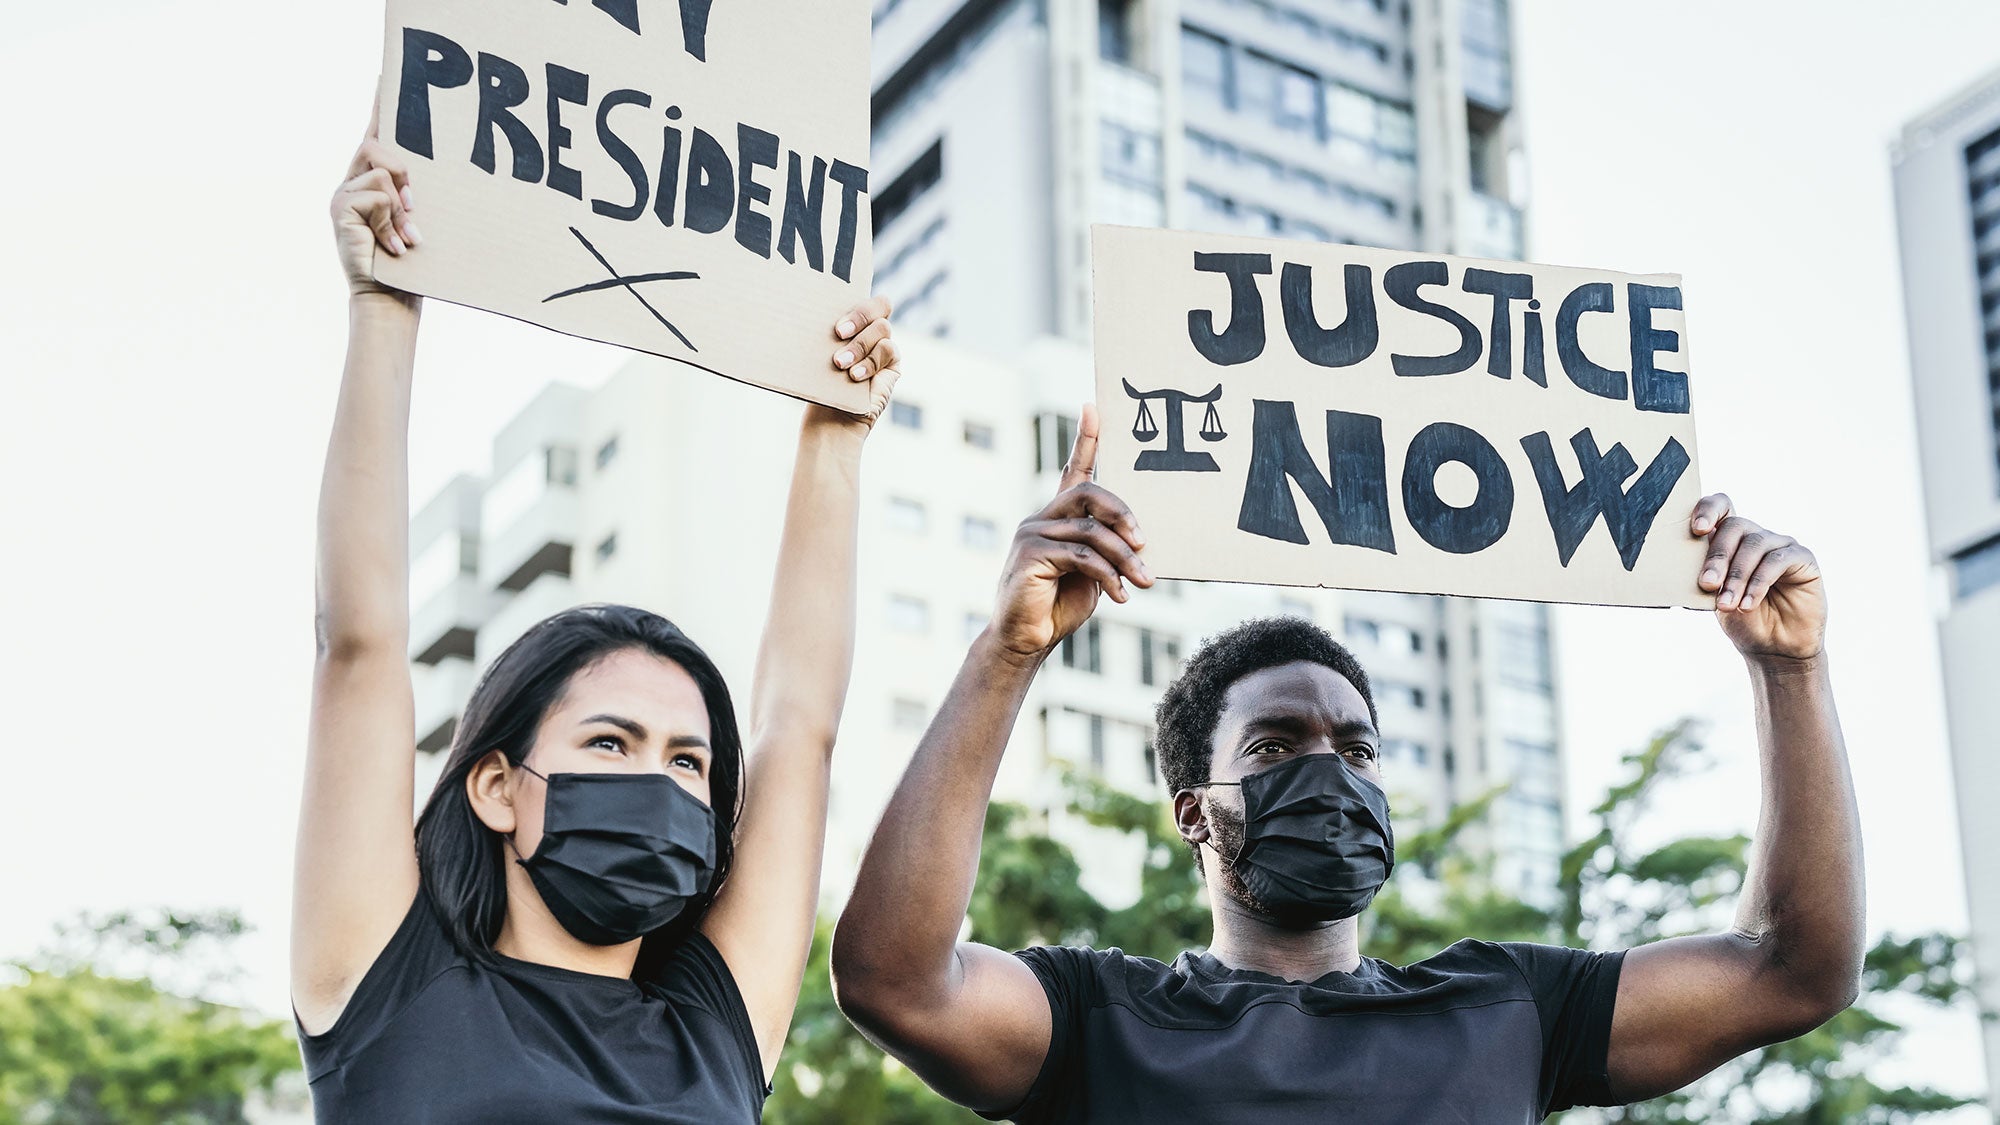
(682, 177)
(1307, 414)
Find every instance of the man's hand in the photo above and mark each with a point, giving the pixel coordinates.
(1769, 596)
(372, 208)
(1083, 543)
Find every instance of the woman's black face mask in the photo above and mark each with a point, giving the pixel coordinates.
(621, 854)
(1316, 839)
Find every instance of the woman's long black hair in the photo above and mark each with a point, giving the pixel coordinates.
(462, 863)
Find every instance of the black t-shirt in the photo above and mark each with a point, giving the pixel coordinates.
(433, 1037)
(1481, 1033)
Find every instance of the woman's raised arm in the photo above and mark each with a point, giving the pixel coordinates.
(762, 921)
(355, 874)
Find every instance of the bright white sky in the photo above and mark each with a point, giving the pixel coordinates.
(170, 334)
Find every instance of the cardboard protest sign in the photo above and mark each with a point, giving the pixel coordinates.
(1306, 414)
(683, 177)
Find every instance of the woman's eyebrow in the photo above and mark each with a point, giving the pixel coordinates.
(630, 726)
(686, 741)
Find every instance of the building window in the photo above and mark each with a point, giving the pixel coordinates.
(1285, 95)
(908, 614)
(607, 547)
(1205, 66)
(1977, 569)
(1406, 695)
(1055, 435)
(909, 714)
(908, 415)
(1097, 744)
(607, 453)
(1158, 657)
(1522, 653)
(979, 435)
(902, 193)
(1405, 750)
(980, 534)
(1080, 650)
(1114, 30)
(1129, 156)
(906, 514)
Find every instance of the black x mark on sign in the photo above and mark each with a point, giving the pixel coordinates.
(627, 283)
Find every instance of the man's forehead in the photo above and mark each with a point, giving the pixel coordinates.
(1300, 688)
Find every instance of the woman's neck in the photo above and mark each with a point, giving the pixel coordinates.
(530, 933)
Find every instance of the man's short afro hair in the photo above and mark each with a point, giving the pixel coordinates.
(1188, 712)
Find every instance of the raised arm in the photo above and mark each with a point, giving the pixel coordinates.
(762, 921)
(971, 1020)
(355, 873)
(1793, 960)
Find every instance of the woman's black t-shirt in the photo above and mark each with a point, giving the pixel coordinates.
(434, 1038)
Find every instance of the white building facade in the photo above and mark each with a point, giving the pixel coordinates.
(1003, 128)
(1947, 173)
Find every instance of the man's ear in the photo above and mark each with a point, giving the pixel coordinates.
(487, 787)
(1189, 817)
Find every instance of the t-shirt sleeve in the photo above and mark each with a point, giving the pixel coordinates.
(695, 975)
(1069, 979)
(1575, 991)
(416, 954)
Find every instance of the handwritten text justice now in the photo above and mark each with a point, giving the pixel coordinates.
(1352, 497)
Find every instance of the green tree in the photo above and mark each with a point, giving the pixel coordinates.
(109, 1027)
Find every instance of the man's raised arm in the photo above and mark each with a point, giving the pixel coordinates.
(1793, 960)
(971, 1020)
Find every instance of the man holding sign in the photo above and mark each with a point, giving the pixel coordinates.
(1268, 744)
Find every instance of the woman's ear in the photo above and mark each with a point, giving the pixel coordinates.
(1189, 817)
(489, 787)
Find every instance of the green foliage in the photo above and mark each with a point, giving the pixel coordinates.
(1616, 896)
(89, 1036)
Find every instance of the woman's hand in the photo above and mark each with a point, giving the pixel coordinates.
(863, 349)
(371, 209)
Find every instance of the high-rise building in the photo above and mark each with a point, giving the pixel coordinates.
(1947, 170)
(1003, 128)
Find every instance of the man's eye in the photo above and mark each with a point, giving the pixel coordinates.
(1269, 746)
(1364, 752)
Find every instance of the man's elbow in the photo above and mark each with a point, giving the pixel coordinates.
(877, 986)
(1813, 1002)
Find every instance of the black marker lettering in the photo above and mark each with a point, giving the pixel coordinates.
(1353, 341)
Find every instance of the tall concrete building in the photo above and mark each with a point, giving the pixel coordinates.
(1947, 168)
(1003, 128)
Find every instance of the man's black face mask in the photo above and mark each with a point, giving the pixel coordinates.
(1316, 839)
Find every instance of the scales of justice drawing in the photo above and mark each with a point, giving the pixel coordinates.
(1176, 457)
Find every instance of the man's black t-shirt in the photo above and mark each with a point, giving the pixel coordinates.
(433, 1037)
(1481, 1033)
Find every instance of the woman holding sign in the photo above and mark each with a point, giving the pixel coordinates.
(604, 909)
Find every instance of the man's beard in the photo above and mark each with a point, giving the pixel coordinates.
(1226, 830)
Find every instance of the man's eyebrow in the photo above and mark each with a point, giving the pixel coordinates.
(1294, 725)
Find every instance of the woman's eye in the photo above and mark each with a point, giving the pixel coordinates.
(688, 761)
(608, 742)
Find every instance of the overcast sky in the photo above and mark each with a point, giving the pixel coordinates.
(170, 335)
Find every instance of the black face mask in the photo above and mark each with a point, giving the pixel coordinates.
(621, 853)
(1316, 838)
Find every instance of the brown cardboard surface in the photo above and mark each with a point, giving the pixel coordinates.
(1207, 515)
(512, 241)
